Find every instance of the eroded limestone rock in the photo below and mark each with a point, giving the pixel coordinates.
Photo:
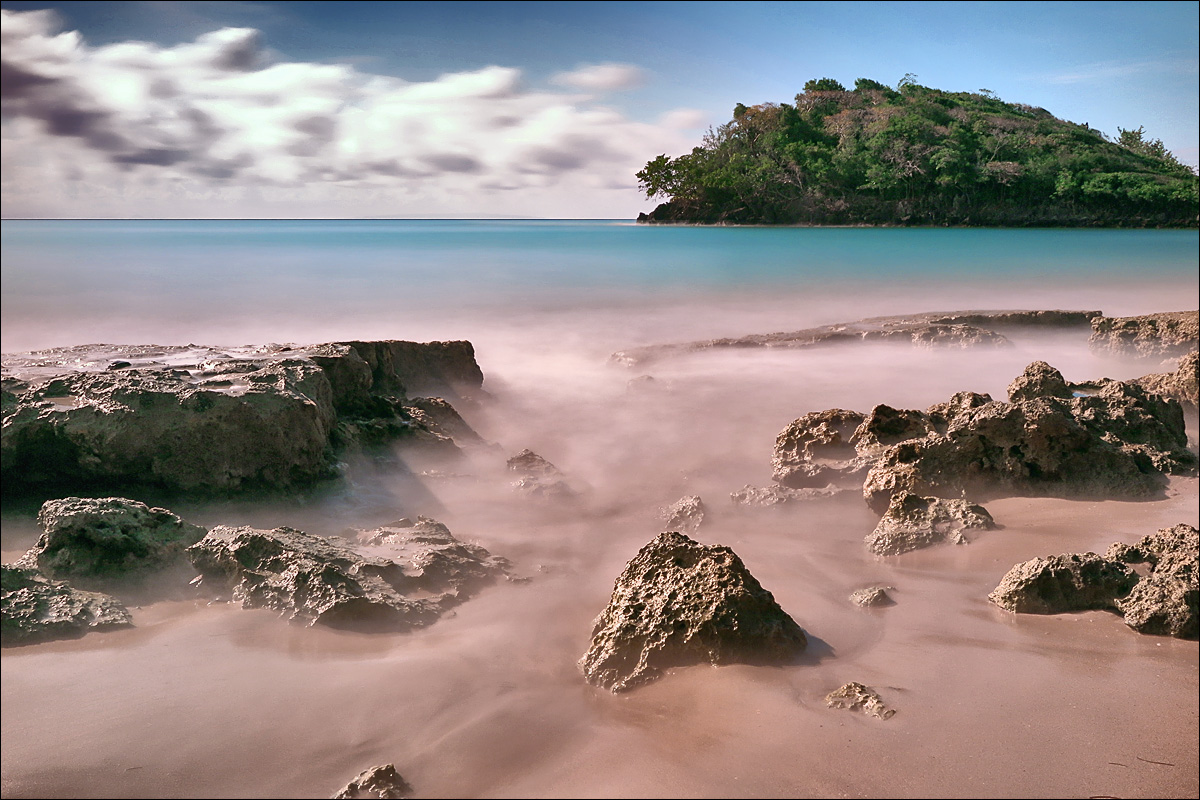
(912, 522)
(1069, 582)
(382, 782)
(1182, 385)
(679, 603)
(110, 541)
(1172, 333)
(395, 578)
(34, 608)
(1039, 380)
(856, 696)
(1167, 600)
(872, 597)
(538, 478)
(685, 515)
(817, 450)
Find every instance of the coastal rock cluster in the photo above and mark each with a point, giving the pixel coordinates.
(392, 578)
(221, 421)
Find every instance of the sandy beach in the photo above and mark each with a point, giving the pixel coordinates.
(208, 700)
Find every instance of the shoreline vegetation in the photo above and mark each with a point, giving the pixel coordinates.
(915, 156)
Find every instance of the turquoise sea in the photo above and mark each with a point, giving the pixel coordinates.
(70, 282)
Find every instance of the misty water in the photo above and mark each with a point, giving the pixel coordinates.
(208, 700)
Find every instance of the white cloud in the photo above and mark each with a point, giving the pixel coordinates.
(212, 128)
(601, 77)
(684, 119)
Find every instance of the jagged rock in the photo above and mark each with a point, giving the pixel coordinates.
(208, 420)
(679, 603)
(776, 495)
(1038, 380)
(816, 450)
(912, 522)
(34, 608)
(1167, 600)
(872, 597)
(538, 478)
(1172, 333)
(105, 542)
(1182, 385)
(863, 698)
(1119, 441)
(1068, 582)
(685, 515)
(378, 783)
(315, 580)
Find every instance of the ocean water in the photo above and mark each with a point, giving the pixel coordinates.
(207, 700)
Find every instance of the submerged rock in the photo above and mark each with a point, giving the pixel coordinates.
(1069, 582)
(215, 420)
(109, 541)
(315, 580)
(377, 783)
(912, 522)
(776, 495)
(34, 608)
(1172, 333)
(872, 597)
(537, 477)
(685, 515)
(856, 696)
(679, 603)
(817, 450)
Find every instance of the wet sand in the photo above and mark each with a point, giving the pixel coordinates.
(207, 700)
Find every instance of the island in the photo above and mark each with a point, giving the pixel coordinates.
(918, 156)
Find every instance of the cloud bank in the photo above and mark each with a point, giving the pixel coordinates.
(214, 127)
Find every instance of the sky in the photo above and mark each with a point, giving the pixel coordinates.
(498, 109)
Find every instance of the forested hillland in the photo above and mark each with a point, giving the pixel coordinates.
(914, 155)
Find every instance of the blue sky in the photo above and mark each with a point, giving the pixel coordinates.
(507, 109)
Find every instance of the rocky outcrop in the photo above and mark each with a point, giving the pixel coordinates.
(685, 515)
(216, 421)
(100, 543)
(858, 697)
(934, 329)
(1167, 600)
(394, 578)
(872, 597)
(1069, 582)
(1164, 601)
(1182, 385)
(1120, 441)
(1173, 333)
(679, 603)
(912, 522)
(34, 608)
(536, 477)
(377, 783)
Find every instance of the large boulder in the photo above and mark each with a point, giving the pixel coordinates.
(217, 421)
(679, 603)
(99, 543)
(1167, 600)
(1172, 333)
(1039, 380)
(394, 578)
(1069, 582)
(913, 522)
(34, 608)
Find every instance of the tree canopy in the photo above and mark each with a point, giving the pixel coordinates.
(915, 155)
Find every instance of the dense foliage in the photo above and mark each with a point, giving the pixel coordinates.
(918, 156)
